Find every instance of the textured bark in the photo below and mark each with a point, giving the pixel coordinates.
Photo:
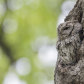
(73, 73)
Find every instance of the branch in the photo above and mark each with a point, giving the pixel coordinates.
(5, 48)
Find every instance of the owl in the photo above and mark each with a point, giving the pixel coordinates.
(69, 41)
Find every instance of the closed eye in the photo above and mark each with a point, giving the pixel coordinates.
(66, 28)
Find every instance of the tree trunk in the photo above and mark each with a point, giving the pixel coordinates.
(71, 71)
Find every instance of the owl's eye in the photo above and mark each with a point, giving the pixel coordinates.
(66, 28)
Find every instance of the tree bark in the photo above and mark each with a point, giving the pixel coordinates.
(73, 73)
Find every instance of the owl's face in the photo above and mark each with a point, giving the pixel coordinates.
(67, 29)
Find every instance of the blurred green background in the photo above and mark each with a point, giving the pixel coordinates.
(28, 34)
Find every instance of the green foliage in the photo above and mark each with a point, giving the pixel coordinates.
(39, 18)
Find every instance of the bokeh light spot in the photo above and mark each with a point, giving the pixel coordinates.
(9, 26)
(12, 78)
(23, 66)
(27, 2)
(66, 8)
(46, 49)
(2, 9)
(15, 4)
(48, 55)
